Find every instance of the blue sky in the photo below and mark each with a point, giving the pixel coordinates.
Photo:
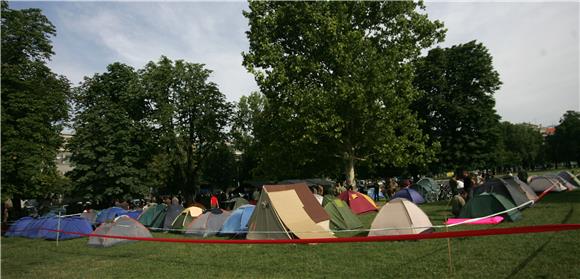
(535, 45)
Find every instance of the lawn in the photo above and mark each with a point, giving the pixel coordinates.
(544, 255)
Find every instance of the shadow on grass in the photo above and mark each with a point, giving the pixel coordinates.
(540, 249)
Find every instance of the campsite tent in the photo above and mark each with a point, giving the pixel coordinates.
(121, 226)
(237, 222)
(41, 227)
(341, 217)
(520, 186)
(400, 216)
(172, 212)
(153, 216)
(19, 227)
(109, 214)
(209, 223)
(569, 186)
(501, 187)
(570, 178)
(542, 183)
(358, 202)
(239, 202)
(186, 217)
(288, 211)
(487, 204)
(409, 194)
(427, 187)
(90, 215)
(74, 224)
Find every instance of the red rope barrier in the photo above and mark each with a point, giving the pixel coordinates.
(435, 235)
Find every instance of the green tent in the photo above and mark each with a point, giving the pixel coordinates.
(341, 217)
(153, 216)
(500, 186)
(489, 203)
(428, 188)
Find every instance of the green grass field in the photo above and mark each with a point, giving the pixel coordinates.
(543, 255)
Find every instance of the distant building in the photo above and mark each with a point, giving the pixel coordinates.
(63, 164)
(548, 131)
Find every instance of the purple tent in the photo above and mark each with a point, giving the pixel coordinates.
(410, 195)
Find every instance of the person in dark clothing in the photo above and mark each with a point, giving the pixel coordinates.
(467, 184)
(376, 190)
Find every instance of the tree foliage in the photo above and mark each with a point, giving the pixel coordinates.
(34, 106)
(113, 143)
(520, 145)
(189, 114)
(564, 145)
(457, 104)
(248, 116)
(337, 76)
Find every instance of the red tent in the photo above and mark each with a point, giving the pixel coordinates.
(358, 202)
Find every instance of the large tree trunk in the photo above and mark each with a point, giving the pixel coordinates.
(349, 170)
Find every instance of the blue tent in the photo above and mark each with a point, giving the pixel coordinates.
(409, 194)
(110, 214)
(134, 213)
(39, 228)
(237, 223)
(68, 224)
(19, 227)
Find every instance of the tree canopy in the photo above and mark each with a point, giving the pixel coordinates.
(34, 106)
(457, 104)
(337, 76)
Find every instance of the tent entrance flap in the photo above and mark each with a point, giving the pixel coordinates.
(291, 210)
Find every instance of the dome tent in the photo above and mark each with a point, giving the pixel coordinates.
(400, 216)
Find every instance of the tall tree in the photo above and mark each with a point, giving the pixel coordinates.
(190, 115)
(113, 143)
(337, 76)
(34, 106)
(457, 104)
(520, 145)
(247, 118)
(565, 143)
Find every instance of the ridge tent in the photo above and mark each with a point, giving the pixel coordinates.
(186, 217)
(358, 202)
(153, 216)
(409, 194)
(521, 186)
(286, 212)
(400, 216)
(341, 217)
(237, 222)
(209, 223)
(109, 214)
(173, 211)
(487, 204)
(121, 226)
(568, 176)
(542, 183)
(501, 187)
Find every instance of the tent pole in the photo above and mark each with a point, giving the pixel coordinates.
(449, 251)
(58, 228)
